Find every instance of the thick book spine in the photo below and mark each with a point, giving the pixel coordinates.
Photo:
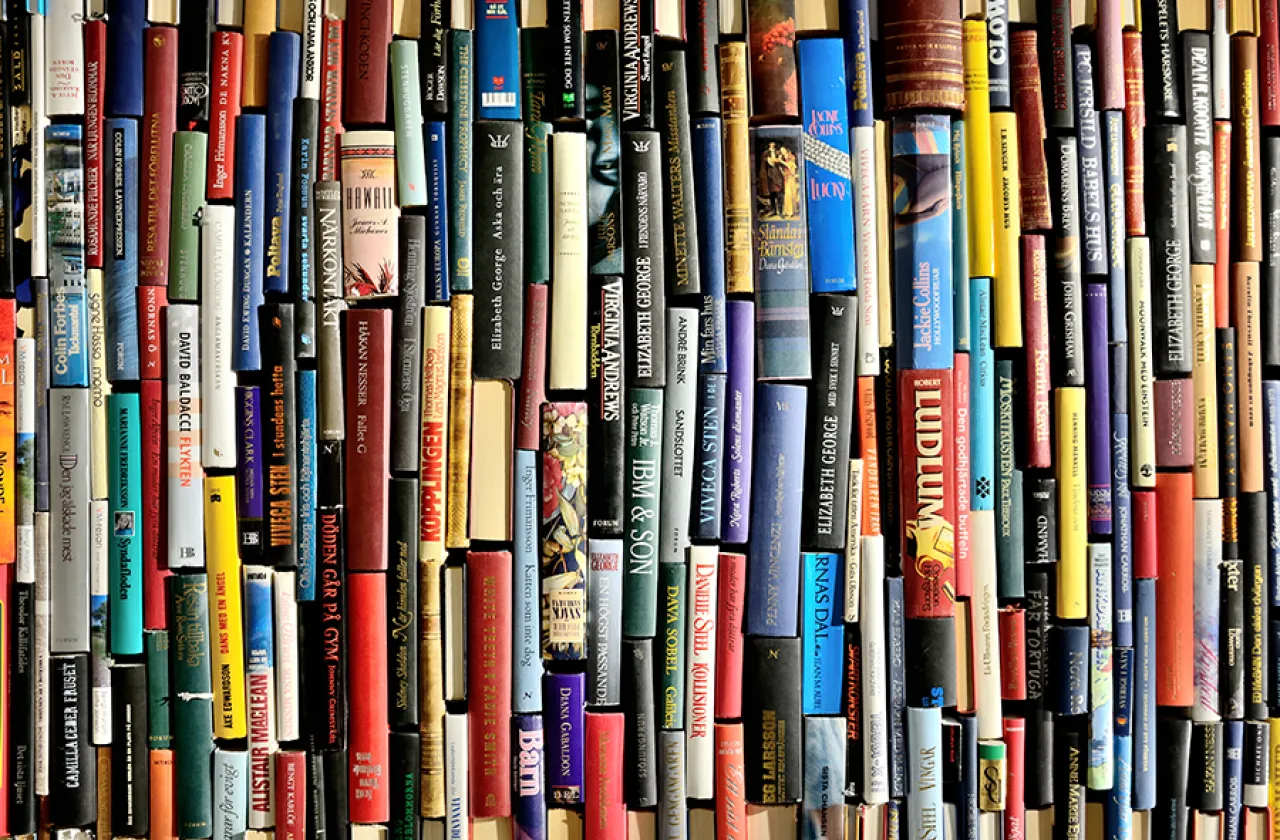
(249, 469)
(185, 475)
(1092, 216)
(645, 254)
(498, 263)
(739, 423)
(641, 723)
(605, 401)
(773, 665)
(567, 368)
(69, 522)
(681, 231)
(828, 192)
(369, 251)
(489, 682)
(563, 697)
(672, 591)
(129, 789)
(250, 193)
(368, 433)
(369, 743)
(224, 104)
(1098, 413)
(604, 202)
(927, 423)
(121, 247)
(227, 653)
(831, 417)
(125, 545)
(366, 68)
(564, 532)
(160, 117)
(402, 605)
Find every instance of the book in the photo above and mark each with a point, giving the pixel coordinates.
(530, 806)
(498, 260)
(1247, 219)
(604, 205)
(1245, 288)
(184, 490)
(458, 483)
(156, 171)
(192, 704)
(729, 638)
(533, 368)
(1092, 215)
(128, 781)
(69, 523)
(459, 154)
(739, 423)
(124, 94)
(68, 311)
(773, 61)
(125, 548)
(639, 709)
(1142, 399)
(224, 109)
(978, 159)
(823, 614)
(366, 67)
(402, 579)
(121, 248)
(328, 204)
(709, 460)
(217, 406)
(369, 739)
(488, 676)
(680, 221)
(249, 476)
(605, 401)
(1170, 233)
(563, 696)
(1067, 314)
(369, 397)
(1072, 503)
(773, 666)
(227, 654)
(73, 778)
(1098, 413)
(491, 462)
(604, 626)
(567, 369)
(260, 671)
(679, 427)
(673, 811)
(327, 708)
(406, 98)
(603, 801)
(250, 188)
(644, 250)
(564, 537)
(673, 613)
(370, 257)
(708, 186)
(737, 198)
(831, 415)
(1197, 84)
(437, 201)
(406, 350)
(331, 89)
(95, 55)
(1007, 282)
(828, 188)
(1113, 135)
(780, 253)
(701, 684)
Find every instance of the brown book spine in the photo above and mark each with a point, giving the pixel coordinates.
(368, 448)
(1249, 419)
(1109, 63)
(1135, 123)
(459, 423)
(1222, 223)
(331, 90)
(1013, 653)
(95, 52)
(259, 23)
(159, 122)
(365, 79)
(1028, 104)
(739, 278)
(533, 377)
(1244, 115)
(1175, 428)
(923, 64)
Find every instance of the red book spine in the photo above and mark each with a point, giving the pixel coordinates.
(1222, 215)
(331, 113)
(731, 783)
(1015, 809)
(1269, 61)
(368, 446)
(95, 62)
(1175, 425)
(291, 789)
(1035, 297)
(926, 410)
(151, 397)
(1135, 123)
(606, 812)
(224, 107)
(1144, 534)
(367, 62)
(159, 122)
(489, 681)
(1110, 56)
(733, 587)
(869, 452)
(151, 303)
(533, 375)
(1175, 592)
(964, 571)
(369, 797)
(1013, 653)
(7, 625)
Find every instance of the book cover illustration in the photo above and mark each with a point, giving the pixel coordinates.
(781, 254)
(564, 532)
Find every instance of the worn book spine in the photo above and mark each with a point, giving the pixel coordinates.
(681, 223)
(368, 433)
(644, 249)
(1247, 240)
(498, 261)
(564, 532)
(738, 200)
(458, 467)
(369, 251)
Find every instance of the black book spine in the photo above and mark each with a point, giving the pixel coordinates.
(73, 788)
(887, 450)
(953, 769)
(851, 706)
(1041, 525)
(1160, 60)
(895, 668)
(607, 427)
(1205, 792)
(772, 721)
(998, 86)
(637, 64)
(22, 718)
(1093, 210)
(130, 771)
(680, 219)
(406, 352)
(1056, 72)
(564, 19)
(968, 811)
(8, 266)
(326, 672)
(930, 661)
(709, 458)
(402, 604)
(303, 271)
(1257, 753)
(1038, 786)
(1169, 231)
(1070, 654)
(702, 38)
(498, 193)
(1270, 327)
(279, 434)
(329, 473)
(335, 787)
(1199, 89)
(645, 252)
(195, 39)
(641, 724)
(1069, 758)
(329, 346)
(317, 826)
(1253, 547)
(826, 494)
(1066, 327)
(604, 199)
(405, 751)
(433, 59)
(1231, 654)
(1173, 757)
(1228, 443)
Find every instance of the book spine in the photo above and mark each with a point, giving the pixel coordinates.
(122, 249)
(406, 99)
(370, 256)
(774, 666)
(128, 781)
(95, 56)
(823, 808)
(681, 228)
(125, 596)
(700, 690)
(673, 808)
(369, 744)
(217, 407)
(291, 781)
(369, 432)
(567, 369)
(1069, 305)
(328, 707)
(679, 430)
(978, 157)
(366, 68)
(402, 605)
(832, 415)
(227, 655)
(160, 115)
(641, 723)
(731, 804)
(189, 153)
(184, 491)
(68, 311)
(737, 174)
(739, 423)
(729, 639)
(1170, 234)
(1248, 234)
(224, 106)
(564, 536)
(461, 114)
(1245, 292)
(1037, 376)
(250, 189)
(563, 696)
(260, 669)
(192, 704)
(328, 205)
(927, 423)
(489, 681)
(644, 250)
(331, 90)
(72, 792)
(406, 350)
(607, 419)
(151, 305)
(498, 263)
(1098, 413)
(603, 205)
(708, 187)
(437, 201)
(460, 387)
(1092, 216)
(69, 582)
(828, 192)
(673, 610)
(709, 460)
(1069, 404)
(604, 631)
(530, 806)
(537, 200)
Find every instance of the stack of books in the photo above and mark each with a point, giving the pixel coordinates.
(639, 419)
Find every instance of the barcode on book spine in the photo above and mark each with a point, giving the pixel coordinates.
(498, 100)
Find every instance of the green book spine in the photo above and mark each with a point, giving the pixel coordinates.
(159, 735)
(640, 540)
(672, 588)
(191, 683)
(537, 203)
(124, 499)
(189, 158)
(1009, 576)
(411, 162)
(461, 116)
(533, 73)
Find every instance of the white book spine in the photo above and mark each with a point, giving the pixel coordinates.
(64, 57)
(700, 693)
(287, 681)
(866, 247)
(1142, 418)
(733, 17)
(217, 382)
(679, 428)
(456, 765)
(1221, 67)
(24, 439)
(185, 500)
(69, 537)
(455, 675)
(1206, 602)
(853, 545)
(312, 49)
(99, 386)
(39, 121)
(604, 634)
(42, 652)
(1101, 762)
(260, 670)
(924, 793)
(875, 715)
(673, 810)
(230, 794)
(100, 663)
(822, 813)
(230, 13)
(986, 638)
(568, 339)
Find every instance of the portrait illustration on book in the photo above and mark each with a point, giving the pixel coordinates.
(778, 182)
(564, 538)
(604, 171)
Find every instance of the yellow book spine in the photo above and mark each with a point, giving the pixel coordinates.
(738, 276)
(1204, 382)
(431, 687)
(459, 459)
(884, 274)
(1073, 535)
(434, 449)
(491, 460)
(99, 388)
(1248, 375)
(223, 556)
(977, 151)
(1006, 284)
(259, 23)
(1274, 786)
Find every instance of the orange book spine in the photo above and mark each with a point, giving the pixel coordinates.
(162, 824)
(868, 451)
(1175, 593)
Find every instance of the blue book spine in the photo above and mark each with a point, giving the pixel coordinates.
(461, 115)
(1271, 481)
(283, 66)
(773, 570)
(124, 502)
(708, 189)
(308, 485)
(68, 308)
(823, 810)
(739, 419)
(828, 190)
(1233, 773)
(709, 460)
(1093, 217)
(121, 246)
(1117, 276)
(125, 21)
(1098, 398)
(437, 214)
(526, 653)
(498, 59)
(1144, 694)
(1070, 654)
(259, 635)
(251, 131)
(249, 467)
(967, 820)
(406, 100)
(924, 800)
(922, 241)
(823, 634)
(895, 629)
(529, 811)
(855, 29)
(982, 398)
(1121, 533)
(1119, 803)
(960, 242)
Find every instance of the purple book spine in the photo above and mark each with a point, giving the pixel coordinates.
(740, 407)
(563, 700)
(530, 810)
(249, 468)
(1098, 403)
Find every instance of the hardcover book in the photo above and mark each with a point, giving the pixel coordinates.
(121, 249)
(370, 214)
(831, 417)
(643, 491)
(606, 404)
(737, 201)
(160, 115)
(781, 254)
(250, 192)
(498, 261)
(773, 765)
(645, 259)
(489, 682)
(604, 201)
(184, 490)
(681, 224)
(564, 536)
(772, 54)
(365, 73)
(369, 433)
(827, 183)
